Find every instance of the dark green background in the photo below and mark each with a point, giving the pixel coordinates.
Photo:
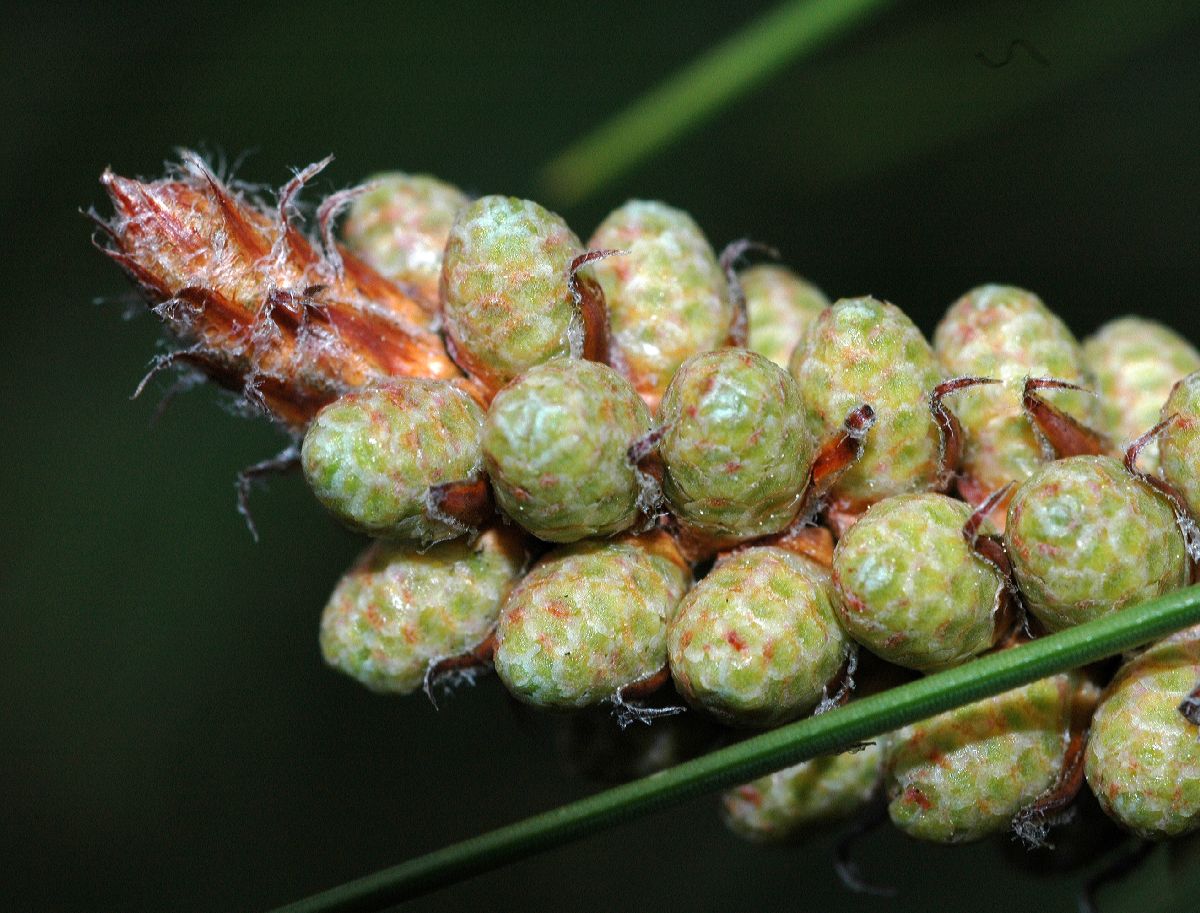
(169, 738)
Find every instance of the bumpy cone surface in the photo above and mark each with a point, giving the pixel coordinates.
(1143, 757)
(1180, 442)
(259, 309)
(736, 449)
(1086, 538)
(857, 351)
(964, 774)
(399, 609)
(909, 586)
(756, 642)
(667, 296)
(589, 619)
(1007, 333)
(780, 306)
(784, 804)
(1136, 362)
(400, 226)
(506, 300)
(556, 444)
(370, 457)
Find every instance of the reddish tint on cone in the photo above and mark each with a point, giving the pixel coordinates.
(260, 309)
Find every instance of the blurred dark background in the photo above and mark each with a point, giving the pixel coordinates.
(169, 738)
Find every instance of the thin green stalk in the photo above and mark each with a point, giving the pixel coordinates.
(826, 734)
(686, 99)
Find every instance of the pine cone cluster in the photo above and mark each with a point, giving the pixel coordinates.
(626, 472)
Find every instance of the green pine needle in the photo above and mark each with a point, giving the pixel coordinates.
(828, 733)
(692, 95)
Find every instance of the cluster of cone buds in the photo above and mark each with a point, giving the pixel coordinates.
(628, 473)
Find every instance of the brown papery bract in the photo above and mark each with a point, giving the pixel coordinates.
(259, 307)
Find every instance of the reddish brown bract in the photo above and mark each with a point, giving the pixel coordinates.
(262, 311)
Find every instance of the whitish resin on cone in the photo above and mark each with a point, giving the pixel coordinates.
(259, 308)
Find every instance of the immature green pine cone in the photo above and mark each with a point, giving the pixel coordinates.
(667, 295)
(1136, 362)
(860, 350)
(506, 301)
(400, 227)
(1007, 333)
(756, 642)
(1086, 538)
(1143, 757)
(400, 609)
(370, 457)
(966, 773)
(556, 444)
(784, 805)
(910, 588)
(736, 450)
(780, 306)
(1180, 441)
(589, 619)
